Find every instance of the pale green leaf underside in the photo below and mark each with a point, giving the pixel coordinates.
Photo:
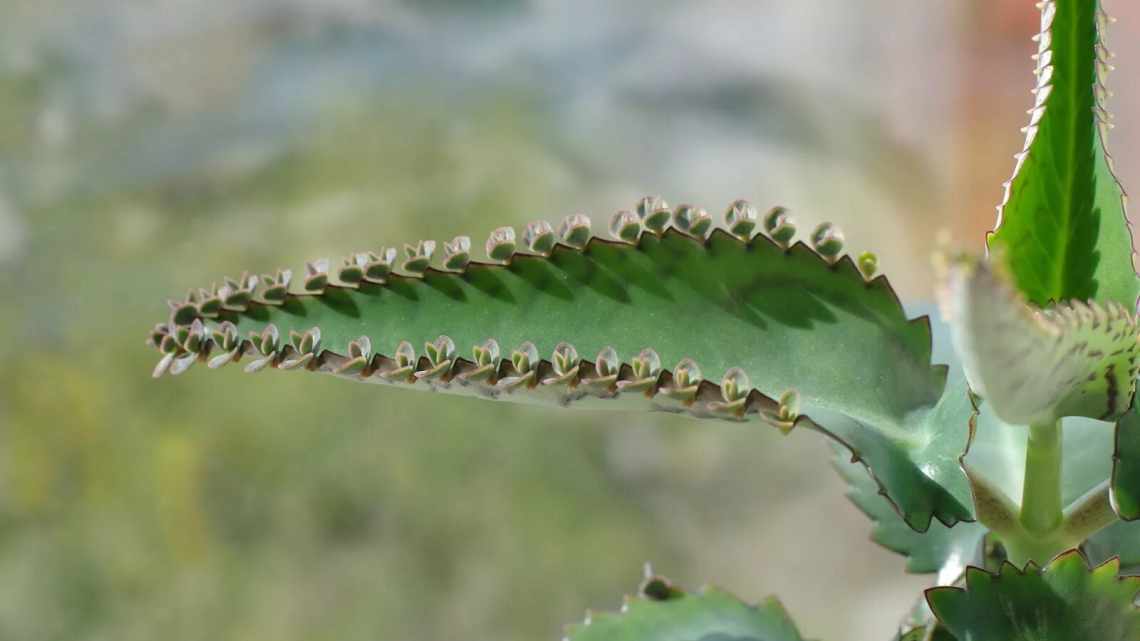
(1036, 365)
(1062, 227)
(998, 453)
(1065, 601)
(671, 615)
(787, 318)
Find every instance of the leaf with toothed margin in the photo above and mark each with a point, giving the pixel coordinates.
(920, 624)
(785, 318)
(1062, 226)
(662, 612)
(1119, 540)
(1126, 468)
(1065, 601)
(1033, 365)
(942, 550)
(997, 452)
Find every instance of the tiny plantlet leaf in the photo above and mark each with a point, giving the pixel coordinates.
(1064, 601)
(780, 226)
(1062, 224)
(539, 237)
(693, 221)
(663, 612)
(1036, 365)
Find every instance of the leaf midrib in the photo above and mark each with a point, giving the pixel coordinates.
(1072, 123)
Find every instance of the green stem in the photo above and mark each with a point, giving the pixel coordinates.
(1041, 500)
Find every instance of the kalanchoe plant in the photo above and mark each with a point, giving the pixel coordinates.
(998, 448)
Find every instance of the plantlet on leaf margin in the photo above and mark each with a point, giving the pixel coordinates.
(800, 335)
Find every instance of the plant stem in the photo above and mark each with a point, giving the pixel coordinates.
(1041, 500)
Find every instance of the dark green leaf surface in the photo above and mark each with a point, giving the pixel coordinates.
(1126, 469)
(671, 615)
(941, 549)
(789, 319)
(1063, 227)
(1065, 601)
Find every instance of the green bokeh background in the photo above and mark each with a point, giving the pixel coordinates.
(147, 149)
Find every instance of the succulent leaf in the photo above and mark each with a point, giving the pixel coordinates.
(1119, 540)
(941, 549)
(1062, 224)
(792, 338)
(662, 612)
(1126, 467)
(921, 625)
(1036, 365)
(1065, 601)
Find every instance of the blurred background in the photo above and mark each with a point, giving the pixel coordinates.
(146, 147)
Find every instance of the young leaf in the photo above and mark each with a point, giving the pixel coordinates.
(943, 550)
(1033, 365)
(662, 612)
(1062, 225)
(1126, 467)
(1065, 601)
(791, 337)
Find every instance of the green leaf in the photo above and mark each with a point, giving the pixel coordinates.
(1062, 226)
(921, 625)
(661, 612)
(792, 337)
(1119, 540)
(1035, 366)
(941, 549)
(1126, 468)
(1065, 601)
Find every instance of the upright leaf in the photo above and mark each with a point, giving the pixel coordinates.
(1062, 225)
